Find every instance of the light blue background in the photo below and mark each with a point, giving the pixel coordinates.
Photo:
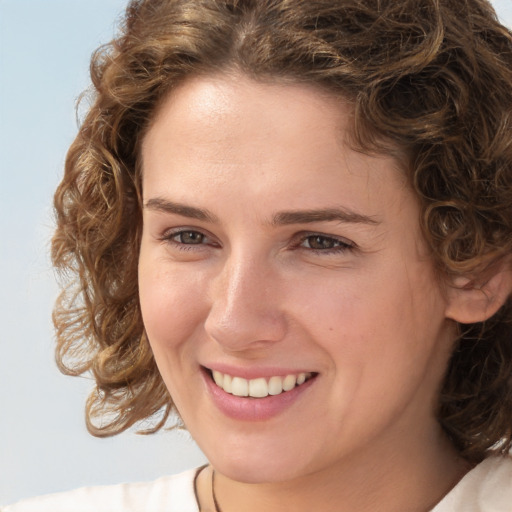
(45, 47)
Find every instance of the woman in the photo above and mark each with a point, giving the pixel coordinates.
(289, 225)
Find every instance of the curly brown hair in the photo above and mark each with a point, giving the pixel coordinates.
(431, 77)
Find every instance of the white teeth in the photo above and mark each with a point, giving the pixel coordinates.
(240, 387)
(226, 384)
(289, 382)
(260, 387)
(218, 378)
(275, 386)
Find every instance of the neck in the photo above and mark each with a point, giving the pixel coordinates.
(406, 480)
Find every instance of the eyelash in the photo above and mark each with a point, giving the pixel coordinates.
(339, 245)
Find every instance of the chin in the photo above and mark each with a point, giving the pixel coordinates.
(253, 468)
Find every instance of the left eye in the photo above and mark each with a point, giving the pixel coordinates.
(324, 243)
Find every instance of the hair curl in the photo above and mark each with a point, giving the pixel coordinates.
(433, 77)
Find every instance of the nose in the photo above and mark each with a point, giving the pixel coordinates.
(245, 305)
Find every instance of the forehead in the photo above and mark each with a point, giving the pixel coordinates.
(249, 135)
(205, 101)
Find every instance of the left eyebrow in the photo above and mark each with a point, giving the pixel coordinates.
(322, 215)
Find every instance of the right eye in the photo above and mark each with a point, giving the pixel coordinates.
(187, 237)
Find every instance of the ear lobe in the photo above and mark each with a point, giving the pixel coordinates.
(472, 301)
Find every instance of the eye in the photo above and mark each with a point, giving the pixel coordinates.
(319, 242)
(188, 237)
(324, 243)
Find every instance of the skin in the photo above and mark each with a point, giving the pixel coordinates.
(364, 312)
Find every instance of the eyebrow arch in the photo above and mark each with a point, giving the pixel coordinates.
(322, 215)
(163, 205)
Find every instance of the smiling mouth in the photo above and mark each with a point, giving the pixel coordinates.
(260, 387)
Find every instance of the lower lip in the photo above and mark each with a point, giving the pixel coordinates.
(253, 409)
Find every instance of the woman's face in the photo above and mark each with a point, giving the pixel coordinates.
(273, 254)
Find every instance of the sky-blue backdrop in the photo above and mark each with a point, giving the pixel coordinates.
(45, 47)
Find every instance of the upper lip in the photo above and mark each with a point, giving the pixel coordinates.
(255, 372)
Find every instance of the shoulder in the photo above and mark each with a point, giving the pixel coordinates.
(167, 494)
(486, 488)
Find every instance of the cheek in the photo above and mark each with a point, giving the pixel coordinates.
(173, 312)
(374, 317)
(335, 308)
(172, 303)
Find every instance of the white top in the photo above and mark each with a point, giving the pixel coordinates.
(167, 494)
(487, 488)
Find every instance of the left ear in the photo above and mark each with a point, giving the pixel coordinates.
(476, 300)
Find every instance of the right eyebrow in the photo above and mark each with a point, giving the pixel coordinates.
(163, 205)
